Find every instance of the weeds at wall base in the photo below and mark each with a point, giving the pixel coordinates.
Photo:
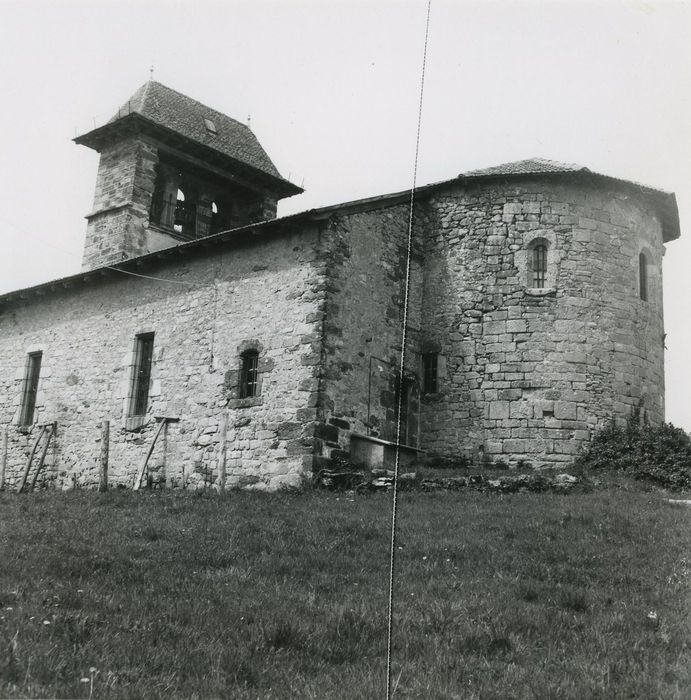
(658, 454)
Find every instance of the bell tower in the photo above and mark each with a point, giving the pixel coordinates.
(173, 170)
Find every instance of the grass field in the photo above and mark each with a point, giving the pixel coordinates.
(168, 594)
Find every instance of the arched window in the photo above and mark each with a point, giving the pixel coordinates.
(249, 374)
(179, 220)
(643, 276)
(539, 266)
(215, 221)
(537, 263)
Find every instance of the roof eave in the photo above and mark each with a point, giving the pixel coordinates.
(665, 200)
(237, 235)
(134, 122)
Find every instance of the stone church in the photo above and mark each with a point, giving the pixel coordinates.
(257, 347)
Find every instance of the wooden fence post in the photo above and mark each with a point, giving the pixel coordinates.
(166, 472)
(3, 458)
(105, 438)
(222, 457)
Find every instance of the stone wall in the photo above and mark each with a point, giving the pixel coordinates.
(124, 187)
(364, 255)
(529, 373)
(266, 295)
(524, 373)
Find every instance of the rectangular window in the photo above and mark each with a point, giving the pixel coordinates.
(141, 375)
(33, 371)
(249, 385)
(429, 373)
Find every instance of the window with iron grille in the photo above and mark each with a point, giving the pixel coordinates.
(429, 373)
(249, 374)
(33, 371)
(141, 374)
(539, 266)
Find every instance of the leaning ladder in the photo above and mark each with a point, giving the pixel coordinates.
(164, 420)
(46, 429)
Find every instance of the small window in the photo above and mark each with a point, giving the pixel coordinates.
(249, 374)
(429, 373)
(210, 126)
(643, 277)
(33, 371)
(141, 374)
(539, 266)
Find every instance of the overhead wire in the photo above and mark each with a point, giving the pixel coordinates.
(404, 339)
(392, 558)
(106, 267)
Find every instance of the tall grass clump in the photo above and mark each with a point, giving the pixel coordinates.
(656, 453)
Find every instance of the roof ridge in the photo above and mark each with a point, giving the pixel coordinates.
(526, 166)
(147, 87)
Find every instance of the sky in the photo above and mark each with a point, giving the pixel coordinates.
(331, 90)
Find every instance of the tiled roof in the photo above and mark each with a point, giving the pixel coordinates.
(173, 110)
(542, 166)
(529, 166)
(665, 200)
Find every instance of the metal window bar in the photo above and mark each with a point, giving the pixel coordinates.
(33, 371)
(249, 375)
(142, 374)
(429, 373)
(539, 266)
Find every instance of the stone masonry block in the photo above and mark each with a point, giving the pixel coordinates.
(565, 410)
(516, 326)
(521, 409)
(512, 208)
(499, 410)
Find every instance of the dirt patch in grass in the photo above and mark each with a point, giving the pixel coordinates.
(281, 596)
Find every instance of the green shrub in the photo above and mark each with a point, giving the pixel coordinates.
(660, 453)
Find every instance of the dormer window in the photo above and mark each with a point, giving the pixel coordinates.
(210, 126)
